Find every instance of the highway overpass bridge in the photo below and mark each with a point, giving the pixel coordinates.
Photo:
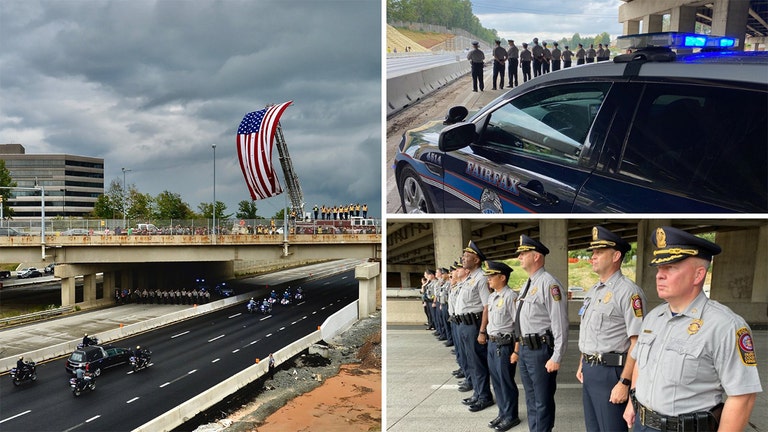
(165, 261)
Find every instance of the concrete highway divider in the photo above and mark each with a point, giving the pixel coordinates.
(405, 90)
(179, 415)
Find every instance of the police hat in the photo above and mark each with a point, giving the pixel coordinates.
(458, 264)
(602, 238)
(429, 271)
(529, 244)
(525, 44)
(510, 40)
(443, 270)
(497, 267)
(497, 41)
(674, 245)
(535, 39)
(472, 248)
(475, 43)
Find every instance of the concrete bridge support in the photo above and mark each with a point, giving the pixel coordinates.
(369, 279)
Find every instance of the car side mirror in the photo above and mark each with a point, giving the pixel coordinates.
(455, 115)
(456, 136)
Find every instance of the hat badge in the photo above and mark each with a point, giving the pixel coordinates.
(661, 238)
(595, 235)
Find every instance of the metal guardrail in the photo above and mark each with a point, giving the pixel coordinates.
(34, 316)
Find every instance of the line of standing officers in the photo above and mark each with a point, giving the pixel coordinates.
(667, 370)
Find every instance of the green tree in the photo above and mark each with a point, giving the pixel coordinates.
(103, 208)
(207, 212)
(169, 205)
(247, 210)
(5, 194)
(140, 205)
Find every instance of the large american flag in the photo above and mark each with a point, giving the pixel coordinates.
(254, 148)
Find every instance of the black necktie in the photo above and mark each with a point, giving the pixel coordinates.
(518, 331)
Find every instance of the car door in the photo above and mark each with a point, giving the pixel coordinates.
(528, 153)
(683, 147)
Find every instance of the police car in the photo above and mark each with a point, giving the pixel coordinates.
(650, 132)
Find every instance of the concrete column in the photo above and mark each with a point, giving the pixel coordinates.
(646, 275)
(760, 282)
(733, 270)
(405, 280)
(683, 19)
(631, 27)
(368, 279)
(67, 291)
(652, 23)
(451, 236)
(89, 288)
(554, 235)
(729, 18)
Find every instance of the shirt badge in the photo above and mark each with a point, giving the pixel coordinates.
(637, 305)
(695, 326)
(555, 291)
(746, 347)
(534, 290)
(500, 303)
(608, 296)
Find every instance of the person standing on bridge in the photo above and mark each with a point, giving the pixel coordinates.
(692, 352)
(525, 62)
(476, 58)
(513, 56)
(499, 64)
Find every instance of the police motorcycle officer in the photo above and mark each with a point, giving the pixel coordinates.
(23, 371)
(140, 358)
(252, 306)
(88, 341)
(81, 382)
(692, 352)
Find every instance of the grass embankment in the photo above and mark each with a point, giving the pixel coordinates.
(579, 274)
(425, 39)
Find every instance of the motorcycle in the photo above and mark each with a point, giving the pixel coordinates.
(80, 385)
(299, 296)
(19, 377)
(251, 307)
(141, 362)
(265, 309)
(91, 342)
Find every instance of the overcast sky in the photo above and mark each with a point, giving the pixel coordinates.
(549, 19)
(150, 85)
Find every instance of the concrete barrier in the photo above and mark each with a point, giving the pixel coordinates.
(405, 90)
(177, 416)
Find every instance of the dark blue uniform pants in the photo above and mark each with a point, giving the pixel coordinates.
(503, 378)
(477, 76)
(461, 359)
(477, 360)
(498, 70)
(539, 386)
(447, 325)
(512, 71)
(599, 413)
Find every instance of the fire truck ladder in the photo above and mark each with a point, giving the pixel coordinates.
(291, 179)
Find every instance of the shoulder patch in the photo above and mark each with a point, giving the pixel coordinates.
(746, 347)
(555, 291)
(637, 305)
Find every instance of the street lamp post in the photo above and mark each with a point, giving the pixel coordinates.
(125, 200)
(213, 207)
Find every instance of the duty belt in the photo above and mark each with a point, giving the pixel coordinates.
(472, 318)
(701, 421)
(534, 341)
(606, 359)
(502, 339)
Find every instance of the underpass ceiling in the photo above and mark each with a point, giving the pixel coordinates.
(411, 242)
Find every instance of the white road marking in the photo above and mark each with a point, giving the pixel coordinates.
(92, 418)
(180, 334)
(235, 315)
(217, 337)
(266, 317)
(215, 360)
(132, 400)
(163, 385)
(281, 328)
(235, 350)
(269, 335)
(17, 415)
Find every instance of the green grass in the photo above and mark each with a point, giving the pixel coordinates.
(579, 274)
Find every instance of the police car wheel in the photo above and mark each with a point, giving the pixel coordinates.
(413, 199)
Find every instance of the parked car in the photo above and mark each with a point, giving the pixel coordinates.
(30, 272)
(649, 132)
(49, 268)
(576, 293)
(97, 358)
(8, 231)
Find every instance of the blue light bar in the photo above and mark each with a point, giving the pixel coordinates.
(674, 40)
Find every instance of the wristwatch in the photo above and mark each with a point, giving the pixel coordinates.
(625, 381)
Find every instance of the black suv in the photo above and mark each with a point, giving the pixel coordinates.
(650, 132)
(97, 358)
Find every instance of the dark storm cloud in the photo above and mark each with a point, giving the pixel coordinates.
(150, 85)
